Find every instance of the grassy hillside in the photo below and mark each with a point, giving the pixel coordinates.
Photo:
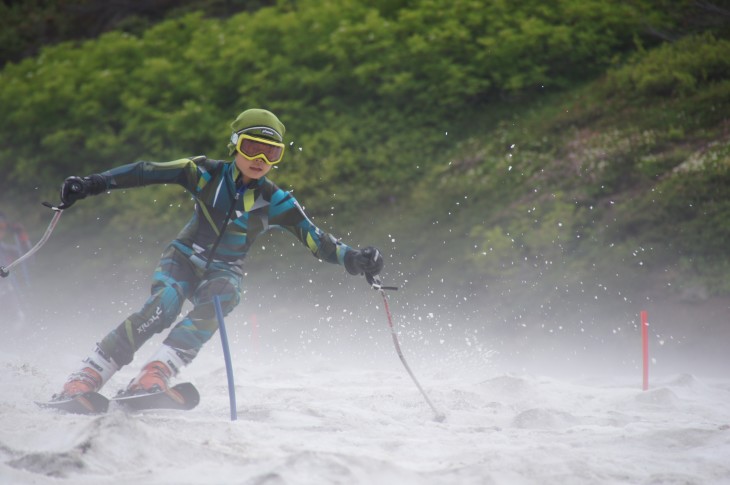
(625, 180)
(525, 147)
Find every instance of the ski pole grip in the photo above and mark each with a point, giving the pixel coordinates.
(374, 282)
(60, 207)
(3, 272)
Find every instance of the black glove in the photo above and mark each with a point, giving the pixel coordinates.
(77, 188)
(367, 260)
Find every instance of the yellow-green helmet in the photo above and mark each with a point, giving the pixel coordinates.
(259, 123)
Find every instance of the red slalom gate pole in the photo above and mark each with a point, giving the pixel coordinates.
(645, 347)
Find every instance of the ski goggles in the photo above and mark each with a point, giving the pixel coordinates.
(252, 148)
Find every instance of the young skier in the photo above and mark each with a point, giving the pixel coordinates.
(235, 203)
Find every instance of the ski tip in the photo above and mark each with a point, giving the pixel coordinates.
(190, 394)
(87, 403)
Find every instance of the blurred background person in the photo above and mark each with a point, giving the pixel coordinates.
(14, 242)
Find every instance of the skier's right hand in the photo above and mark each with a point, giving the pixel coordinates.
(77, 188)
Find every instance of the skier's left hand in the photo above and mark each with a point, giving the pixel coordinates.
(367, 260)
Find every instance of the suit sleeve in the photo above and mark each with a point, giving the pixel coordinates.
(187, 172)
(285, 212)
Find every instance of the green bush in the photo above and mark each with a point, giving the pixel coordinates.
(391, 73)
(681, 68)
(448, 112)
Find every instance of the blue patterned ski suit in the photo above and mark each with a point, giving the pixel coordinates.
(182, 272)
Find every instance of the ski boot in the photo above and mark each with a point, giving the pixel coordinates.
(156, 374)
(154, 377)
(81, 382)
(97, 369)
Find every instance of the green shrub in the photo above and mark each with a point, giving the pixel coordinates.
(675, 69)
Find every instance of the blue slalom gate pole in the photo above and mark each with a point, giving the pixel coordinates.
(226, 355)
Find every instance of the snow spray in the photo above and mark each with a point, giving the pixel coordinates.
(375, 284)
(255, 334)
(226, 356)
(645, 347)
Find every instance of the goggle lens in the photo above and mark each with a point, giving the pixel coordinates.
(270, 152)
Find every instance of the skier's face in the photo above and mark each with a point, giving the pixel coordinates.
(251, 169)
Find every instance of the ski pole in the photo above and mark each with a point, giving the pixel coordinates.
(376, 285)
(5, 270)
(226, 356)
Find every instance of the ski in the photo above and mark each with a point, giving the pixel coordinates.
(183, 396)
(87, 403)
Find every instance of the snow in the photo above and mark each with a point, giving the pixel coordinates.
(314, 420)
(322, 397)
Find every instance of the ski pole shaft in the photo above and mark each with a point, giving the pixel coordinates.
(375, 283)
(226, 356)
(5, 270)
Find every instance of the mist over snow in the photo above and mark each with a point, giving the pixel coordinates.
(532, 395)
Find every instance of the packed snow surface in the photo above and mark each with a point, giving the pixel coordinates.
(322, 397)
(310, 420)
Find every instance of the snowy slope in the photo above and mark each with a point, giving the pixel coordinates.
(314, 421)
(323, 398)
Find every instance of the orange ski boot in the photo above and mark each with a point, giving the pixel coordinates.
(154, 377)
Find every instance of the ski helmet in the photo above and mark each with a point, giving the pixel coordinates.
(257, 122)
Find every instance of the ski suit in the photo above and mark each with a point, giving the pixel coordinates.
(182, 274)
